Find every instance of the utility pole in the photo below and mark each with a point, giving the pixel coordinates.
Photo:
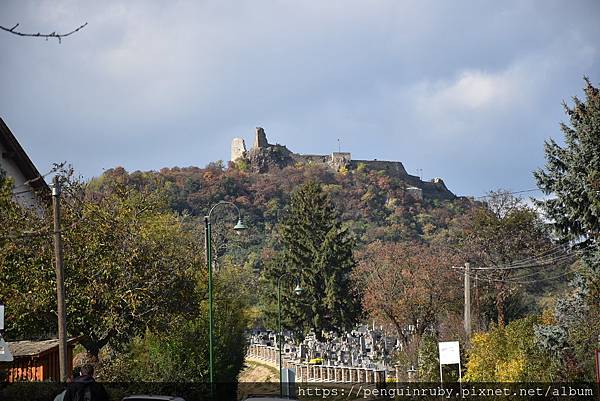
(468, 300)
(477, 308)
(60, 282)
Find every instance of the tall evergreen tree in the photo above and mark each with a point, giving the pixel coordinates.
(317, 252)
(572, 175)
(572, 172)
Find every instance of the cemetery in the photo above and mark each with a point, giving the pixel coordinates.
(363, 355)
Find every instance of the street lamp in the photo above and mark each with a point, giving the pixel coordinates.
(298, 291)
(208, 239)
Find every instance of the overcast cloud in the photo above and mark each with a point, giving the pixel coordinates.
(466, 91)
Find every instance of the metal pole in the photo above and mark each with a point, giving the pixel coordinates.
(468, 300)
(207, 235)
(459, 376)
(477, 308)
(60, 282)
(280, 337)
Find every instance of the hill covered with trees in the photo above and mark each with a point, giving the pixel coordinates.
(374, 204)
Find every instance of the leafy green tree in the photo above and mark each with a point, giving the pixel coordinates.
(26, 272)
(179, 354)
(572, 177)
(129, 265)
(318, 251)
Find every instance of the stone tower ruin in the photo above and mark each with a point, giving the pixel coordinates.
(238, 148)
(260, 139)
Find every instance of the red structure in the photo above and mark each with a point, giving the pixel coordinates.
(36, 360)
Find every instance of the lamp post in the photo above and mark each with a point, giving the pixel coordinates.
(298, 290)
(207, 236)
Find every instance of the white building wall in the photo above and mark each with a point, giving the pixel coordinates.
(23, 193)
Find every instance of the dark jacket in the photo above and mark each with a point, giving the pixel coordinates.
(77, 388)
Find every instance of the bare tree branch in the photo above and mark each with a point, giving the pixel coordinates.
(58, 36)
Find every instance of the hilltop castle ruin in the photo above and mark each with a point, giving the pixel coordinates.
(264, 156)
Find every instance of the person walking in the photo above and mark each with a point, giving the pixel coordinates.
(85, 388)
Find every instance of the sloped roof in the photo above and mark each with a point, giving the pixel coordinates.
(15, 152)
(33, 348)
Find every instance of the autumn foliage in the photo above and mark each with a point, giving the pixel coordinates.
(408, 284)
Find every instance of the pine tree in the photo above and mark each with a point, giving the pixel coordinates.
(572, 175)
(316, 251)
(572, 172)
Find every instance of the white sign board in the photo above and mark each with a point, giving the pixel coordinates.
(1, 317)
(449, 352)
(5, 355)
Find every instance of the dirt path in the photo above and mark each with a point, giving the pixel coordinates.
(256, 372)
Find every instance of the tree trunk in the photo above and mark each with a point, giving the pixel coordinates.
(500, 306)
(93, 347)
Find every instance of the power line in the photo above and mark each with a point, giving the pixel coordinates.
(25, 191)
(41, 233)
(514, 280)
(516, 276)
(512, 193)
(40, 177)
(549, 256)
(528, 264)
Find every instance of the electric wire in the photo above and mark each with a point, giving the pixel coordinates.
(546, 258)
(512, 193)
(39, 177)
(47, 232)
(551, 255)
(42, 233)
(528, 265)
(507, 281)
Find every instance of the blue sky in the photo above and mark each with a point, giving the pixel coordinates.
(466, 90)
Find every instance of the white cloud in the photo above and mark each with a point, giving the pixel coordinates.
(472, 91)
(457, 106)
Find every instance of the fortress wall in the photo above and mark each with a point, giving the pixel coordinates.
(390, 166)
(313, 158)
(436, 190)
